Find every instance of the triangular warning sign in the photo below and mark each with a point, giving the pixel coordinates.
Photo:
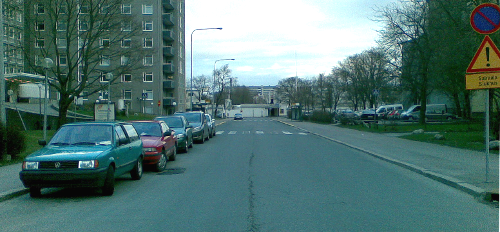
(487, 58)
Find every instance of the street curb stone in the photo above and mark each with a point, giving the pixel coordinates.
(13, 193)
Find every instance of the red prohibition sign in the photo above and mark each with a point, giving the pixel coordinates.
(485, 19)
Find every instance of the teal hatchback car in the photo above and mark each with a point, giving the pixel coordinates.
(90, 154)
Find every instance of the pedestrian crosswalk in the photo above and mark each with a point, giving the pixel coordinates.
(259, 132)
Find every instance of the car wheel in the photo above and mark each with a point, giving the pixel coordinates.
(109, 183)
(136, 172)
(186, 148)
(191, 143)
(174, 154)
(35, 192)
(162, 163)
(210, 134)
(202, 138)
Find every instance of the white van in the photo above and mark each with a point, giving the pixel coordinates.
(434, 112)
(384, 110)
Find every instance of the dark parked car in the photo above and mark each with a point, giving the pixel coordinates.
(158, 141)
(183, 130)
(367, 115)
(199, 123)
(84, 155)
(211, 125)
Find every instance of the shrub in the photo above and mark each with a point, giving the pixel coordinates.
(15, 140)
(321, 117)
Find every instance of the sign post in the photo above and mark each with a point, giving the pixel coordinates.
(484, 69)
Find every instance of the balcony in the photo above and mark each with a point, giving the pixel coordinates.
(168, 68)
(167, 20)
(168, 36)
(168, 51)
(167, 5)
(168, 84)
(168, 102)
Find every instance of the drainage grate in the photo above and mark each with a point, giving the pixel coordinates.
(172, 171)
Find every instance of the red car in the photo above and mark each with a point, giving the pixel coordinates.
(158, 141)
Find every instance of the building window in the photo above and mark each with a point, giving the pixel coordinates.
(127, 94)
(103, 95)
(126, 43)
(62, 60)
(40, 43)
(105, 61)
(147, 77)
(148, 60)
(84, 26)
(61, 42)
(125, 60)
(147, 26)
(40, 26)
(84, 9)
(61, 26)
(148, 42)
(103, 77)
(85, 95)
(80, 77)
(126, 9)
(147, 9)
(126, 26)
(148, 94)
(105, 9)
(127, 78)
(39, 8)
(63, 9)
(105, 43)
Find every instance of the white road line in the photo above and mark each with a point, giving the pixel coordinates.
(259, 132)
(232, 132)
(219, 132)
(287, 133)
(302, 133)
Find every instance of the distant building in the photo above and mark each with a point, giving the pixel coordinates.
(264, 94)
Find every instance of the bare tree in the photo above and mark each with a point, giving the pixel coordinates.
(83, 37)
(204, 84)
(222, 79)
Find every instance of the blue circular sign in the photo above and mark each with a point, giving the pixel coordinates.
(485, 19)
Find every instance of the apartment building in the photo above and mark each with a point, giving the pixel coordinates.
(13, 33)
(140, 43)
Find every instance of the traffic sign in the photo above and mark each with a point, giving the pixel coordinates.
(485, 19)
(487, 58)
(482, 81)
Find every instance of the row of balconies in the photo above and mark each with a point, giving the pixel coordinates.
(167, 5)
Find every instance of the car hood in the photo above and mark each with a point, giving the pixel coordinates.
(179, 130)
(150, 141)
(195, 124)
(53, 153)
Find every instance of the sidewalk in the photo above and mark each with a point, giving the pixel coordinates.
(458, 168)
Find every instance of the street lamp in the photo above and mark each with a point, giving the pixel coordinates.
(199, 29)
(109, 76)
(213, 88)
(46, 64)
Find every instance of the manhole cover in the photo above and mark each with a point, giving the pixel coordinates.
(172, 171)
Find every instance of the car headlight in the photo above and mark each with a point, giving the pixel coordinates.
(30, 165)
(88, 164)
(149, 149)
(196, 129)
(179, 136)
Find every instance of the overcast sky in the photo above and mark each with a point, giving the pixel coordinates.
(272, 40)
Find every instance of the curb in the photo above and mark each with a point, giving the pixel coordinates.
(13, 193)
(450, 181)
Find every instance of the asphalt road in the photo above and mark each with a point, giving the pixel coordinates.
(259, 175)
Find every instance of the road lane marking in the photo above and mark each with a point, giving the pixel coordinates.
(259, 132)
(287, 133)
(232, 132)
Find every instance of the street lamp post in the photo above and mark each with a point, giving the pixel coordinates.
(47, 63)
(191, 87)
(109, 76)
(214, 105)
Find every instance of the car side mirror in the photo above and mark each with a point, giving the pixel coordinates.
(42, 142)
(189, 126)
(122, 141)
(167, 133)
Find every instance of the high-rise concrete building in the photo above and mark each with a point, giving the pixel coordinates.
(141, 43)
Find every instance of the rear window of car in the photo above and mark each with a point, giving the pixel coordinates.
(147, 128)
(174, 122)
(193, 117)
(132, 133)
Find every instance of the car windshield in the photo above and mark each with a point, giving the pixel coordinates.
(147, 128)
(83, 135)
(173, 122)
(193, 118)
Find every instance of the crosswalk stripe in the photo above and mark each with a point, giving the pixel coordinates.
(260, 132)
(232, 132)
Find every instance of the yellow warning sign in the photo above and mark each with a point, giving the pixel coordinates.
(487, 58)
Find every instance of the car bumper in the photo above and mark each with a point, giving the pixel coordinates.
(198, 135)
(57, 178)
(182, 143)
(151, 158)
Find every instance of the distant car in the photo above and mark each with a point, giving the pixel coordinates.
(88, 154)
(238, 117)
(183, 130)
(395, 114)
(367, 115)
(158, 141)
(199, 122)
(211, 125)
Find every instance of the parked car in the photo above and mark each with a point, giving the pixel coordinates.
(211, 125)
(367, 115)
(158, 141)
(434, 112)
(183, 130)
(238, 116)
(199, 122)
(88, 154)
(395, 114)
(384, 110)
